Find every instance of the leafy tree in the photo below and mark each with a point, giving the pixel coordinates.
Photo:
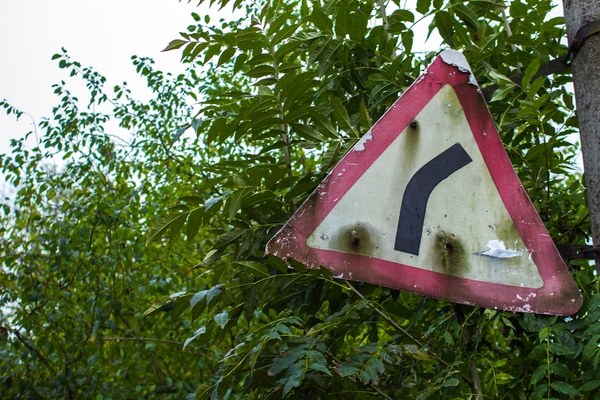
(76, 274)
(278, 98)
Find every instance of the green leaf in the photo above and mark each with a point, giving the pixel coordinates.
(345, 371)
(275, 25)
(462, 34)
(562, 370)
(213, 292)
(222, 318)
(358, 23)
(365, 119)
(158, 305)
(251, 301)
(255, 268)
(452, 382)
(539, 391)
(182, 303)
(307, 132)
(565, 388)
(319, 368)
(531, 70)
(197, 298)
(377, 365)
(240, 62)
(321, 20)
(423, 6)
(500, 78)
(536, 85)
(520, 40)
(284, 33)
(448, 338)
(503, 378)
(538, 374)
(445, 25)
(590, 385)
(342, 118)
(331, 156)
(226, 56)
(466, 15)
(518, 9)
(307, 36)
(368, 375)
(194, 222)
(502, 92)
(258, 198)
(342, 21)
(210, 254)
(293, 381)
(236, 202)
(403, 15)
(407, 42)
(261, 70)
(559, 349)
(199, 332)
(277, 263)
(175, 222)
(175, 44)
(229, 237)
(417, 353)
(323, 124)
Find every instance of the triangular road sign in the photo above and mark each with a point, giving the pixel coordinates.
(428, 201)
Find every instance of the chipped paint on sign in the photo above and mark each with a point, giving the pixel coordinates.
(497, 249)
(452, 235)
(349, 224)
(453, 57)
(360, 145)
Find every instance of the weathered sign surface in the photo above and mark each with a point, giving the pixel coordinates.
(427, 201)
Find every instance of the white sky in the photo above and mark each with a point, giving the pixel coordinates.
(102, 34)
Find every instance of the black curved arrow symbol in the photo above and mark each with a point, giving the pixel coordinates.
(416, 196)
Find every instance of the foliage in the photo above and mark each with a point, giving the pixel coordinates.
(76, 275)
(278, 98)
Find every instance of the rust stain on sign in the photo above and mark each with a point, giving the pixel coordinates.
(429, 202)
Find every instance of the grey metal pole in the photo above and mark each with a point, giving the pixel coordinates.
(586, 80)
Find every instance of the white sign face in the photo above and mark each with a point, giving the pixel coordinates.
(428, 201)
(463, 211)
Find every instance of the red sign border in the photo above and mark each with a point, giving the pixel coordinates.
(559, 294)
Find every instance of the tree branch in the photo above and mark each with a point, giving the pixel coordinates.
(386, 25)
(116, 339)
(405, 333)
(32, 348)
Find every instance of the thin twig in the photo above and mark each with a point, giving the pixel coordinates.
(284, 131)
(124, 339)
(159, 374)
(33, 349)
(381, 393)
(476, 385)
(370, 383)
(577, 225)
(116, 339)
(509, 34)
(405, 333)
(386, 25)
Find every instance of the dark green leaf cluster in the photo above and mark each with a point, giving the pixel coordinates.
(314, 80)
(76, 274)
(226, 153)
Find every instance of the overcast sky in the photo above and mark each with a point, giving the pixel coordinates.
(102, 34)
